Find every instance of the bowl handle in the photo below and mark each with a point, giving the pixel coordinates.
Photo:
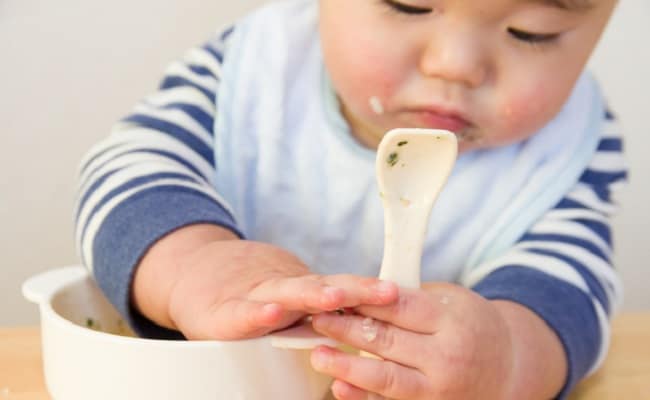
(40, 288)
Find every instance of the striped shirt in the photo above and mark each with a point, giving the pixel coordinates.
(154, 174)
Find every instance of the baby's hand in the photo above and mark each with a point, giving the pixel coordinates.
(241, 289)
(444, 342)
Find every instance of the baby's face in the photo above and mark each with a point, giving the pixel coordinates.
(492, 71)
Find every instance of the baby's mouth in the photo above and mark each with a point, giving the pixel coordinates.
(469, 135)
(430, 118)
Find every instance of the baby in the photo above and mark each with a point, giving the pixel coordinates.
(241, 197)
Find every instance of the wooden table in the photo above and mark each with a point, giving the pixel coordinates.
(625, 374)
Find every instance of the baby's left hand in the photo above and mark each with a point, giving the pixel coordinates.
(441, 342)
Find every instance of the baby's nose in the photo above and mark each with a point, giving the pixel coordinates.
(456, 57)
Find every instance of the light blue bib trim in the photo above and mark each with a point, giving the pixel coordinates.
(534, 202)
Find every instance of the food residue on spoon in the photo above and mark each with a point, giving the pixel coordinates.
(402, 143)
(392, 159)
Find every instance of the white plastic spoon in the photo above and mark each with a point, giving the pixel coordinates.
(412, 167)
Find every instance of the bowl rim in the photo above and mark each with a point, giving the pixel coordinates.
(50, 315)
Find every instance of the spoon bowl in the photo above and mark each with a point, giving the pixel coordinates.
(412, 166)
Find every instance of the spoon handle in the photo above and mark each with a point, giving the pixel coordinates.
(404, 231)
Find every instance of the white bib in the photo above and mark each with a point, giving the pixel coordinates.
(294, 176)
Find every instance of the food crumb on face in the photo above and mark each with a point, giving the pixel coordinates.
(375, 105)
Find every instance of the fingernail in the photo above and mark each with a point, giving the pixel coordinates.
(332, 293)
(385, 287)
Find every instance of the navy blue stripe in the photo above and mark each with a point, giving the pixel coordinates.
(98, 182)
(599, 228)
(592, 177)
(131, 228)
(594, 285)
(101, 153)
(202, 71)
(203, 118)
(613, 145)
(226, 33)
(174, 157)
(568, 203)
(176, 81)
(167, 154)
(141, 180)
(175, 131)
(602, 192)
(565, 308)
(214, 52)
(582, 243)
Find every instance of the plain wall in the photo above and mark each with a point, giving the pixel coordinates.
(70, 68)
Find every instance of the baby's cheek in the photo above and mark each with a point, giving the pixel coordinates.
(376, 83)
(525, 112)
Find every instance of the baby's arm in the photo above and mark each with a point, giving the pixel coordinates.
(152, 176)
(207, 283)
(561, 270)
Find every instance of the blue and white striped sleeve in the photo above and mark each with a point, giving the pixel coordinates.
(151, 176)
(562, 267)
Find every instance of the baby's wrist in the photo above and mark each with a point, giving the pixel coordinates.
(163, 266)
(534, 345)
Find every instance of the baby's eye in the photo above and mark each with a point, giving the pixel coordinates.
(405, 8)
(535, 38)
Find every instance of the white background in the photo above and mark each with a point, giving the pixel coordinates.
(70, 68)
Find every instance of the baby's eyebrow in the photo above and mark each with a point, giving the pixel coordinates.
(568, 5)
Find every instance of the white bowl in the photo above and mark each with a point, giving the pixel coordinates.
(89, 353)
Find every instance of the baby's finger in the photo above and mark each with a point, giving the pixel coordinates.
(344, 391)
(246, 319)
(385, 378)
(364, 290)
(317, 293)
(306, 293)
(416, 310)
(384, 340)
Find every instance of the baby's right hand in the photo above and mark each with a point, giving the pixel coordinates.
(237, 289)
